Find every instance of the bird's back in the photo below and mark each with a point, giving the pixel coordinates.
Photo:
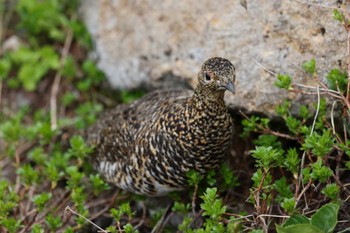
(132, 118)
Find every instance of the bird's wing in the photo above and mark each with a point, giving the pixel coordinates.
(115, 130)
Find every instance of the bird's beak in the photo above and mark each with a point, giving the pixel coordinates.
(230, 87)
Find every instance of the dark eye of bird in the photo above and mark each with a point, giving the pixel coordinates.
(207, 77)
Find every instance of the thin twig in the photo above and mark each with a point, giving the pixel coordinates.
(317, 110)
(25, 229)
(76, 213)
(28, 214)
(303, 191)
(194, 198)
(265, 68)
(57, 80)
(162, 221)
(143, 217)
(238, 217)
(30, 197)
(348, 65)
(304, 154)
(278, 134)
(263, 222)
(346, 199)
(324, 90)
(332, 116)
(195, 218)
(345, 230)
(109, 205)
(274, 216)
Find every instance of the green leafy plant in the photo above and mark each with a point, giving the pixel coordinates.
(285, 175)
(324, 220)
(41, 199)
(213, 208)
(124, 209)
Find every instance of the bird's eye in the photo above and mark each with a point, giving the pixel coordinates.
(207, 76)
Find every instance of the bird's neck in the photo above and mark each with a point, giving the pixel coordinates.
(208, 100)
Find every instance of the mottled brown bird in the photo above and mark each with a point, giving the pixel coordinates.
(147, 147)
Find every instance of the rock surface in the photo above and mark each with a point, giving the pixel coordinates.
(140, 42)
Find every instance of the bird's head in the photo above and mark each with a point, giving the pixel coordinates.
(217, 75)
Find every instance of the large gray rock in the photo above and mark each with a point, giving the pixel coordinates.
(143, 41)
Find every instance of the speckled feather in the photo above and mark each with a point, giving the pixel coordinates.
(148, 146)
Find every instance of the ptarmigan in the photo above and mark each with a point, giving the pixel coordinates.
(148, 146)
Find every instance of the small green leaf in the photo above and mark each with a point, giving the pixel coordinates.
(79, 148)
(37, 228)
(284, 81)
(185, 226)
(98, 185)
(296, 219)
(309, 66)
(41, 199)
(293, 124)
(30, 74)
(69, 70)
(193, 177)
(129, 96)
(81, 33)
(326, 217)
(68, 98)
(6, 207)
(78, 196)
(268, 140)
(24, 55)
(28, 174)
(128, 228)
(331, 191)
(267, 156)
(337, 15)
(75, 178)
(298, 228)
(10, 224)
(212, 206)
(38, 155)
(288, 204)
(53, 222)
(5, 67)
(249, 125)
(258, 177)
(181, 207)
(304, 112)
(283, 189)
(319, 144)
(49, 57)
(320, 171)
(292, 160)
(126, 209)
(86, 114)
(306, 174)
(230, 180)
(283, 109)
(337, 79)
(53, 173)
(211, 178)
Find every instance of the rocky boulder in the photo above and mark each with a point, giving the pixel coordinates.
(140, 42)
